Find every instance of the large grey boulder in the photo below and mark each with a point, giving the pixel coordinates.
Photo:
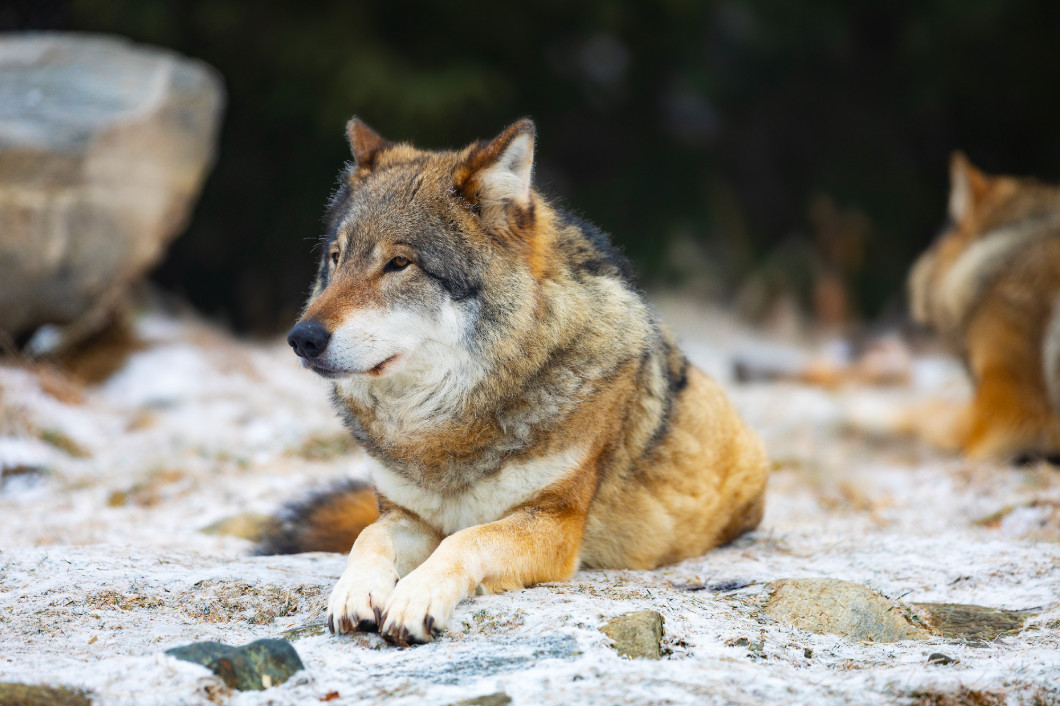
(104, 146)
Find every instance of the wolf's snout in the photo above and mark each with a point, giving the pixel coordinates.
(308, 339)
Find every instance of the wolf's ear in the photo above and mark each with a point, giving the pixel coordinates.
(499, 171)
(365, 143)
(967, 186)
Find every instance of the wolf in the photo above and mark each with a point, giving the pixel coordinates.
(990, 285)
(529, 413)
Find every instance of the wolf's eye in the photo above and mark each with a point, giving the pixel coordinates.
(335, 258)
(398, 263)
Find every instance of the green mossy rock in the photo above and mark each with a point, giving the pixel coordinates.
(252, 667)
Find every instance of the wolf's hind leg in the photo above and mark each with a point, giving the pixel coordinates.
(384, 551)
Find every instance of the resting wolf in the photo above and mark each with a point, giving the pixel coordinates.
(990, 284)
(528, 412)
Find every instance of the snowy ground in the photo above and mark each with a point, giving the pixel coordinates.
(104, 564)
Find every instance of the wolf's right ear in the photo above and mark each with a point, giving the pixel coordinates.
(365, 143)
(967, 187)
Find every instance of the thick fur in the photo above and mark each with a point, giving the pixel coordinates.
(991, 286)
(528, 412)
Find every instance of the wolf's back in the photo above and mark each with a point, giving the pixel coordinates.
(327, 521)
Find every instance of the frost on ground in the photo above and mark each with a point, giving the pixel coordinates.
(104, 563)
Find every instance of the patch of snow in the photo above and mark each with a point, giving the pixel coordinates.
(103, 566)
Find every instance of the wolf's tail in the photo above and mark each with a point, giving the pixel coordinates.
(327, 521)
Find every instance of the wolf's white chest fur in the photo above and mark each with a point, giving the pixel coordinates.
(487, 500)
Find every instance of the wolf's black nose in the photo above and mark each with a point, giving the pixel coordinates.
(308, 339)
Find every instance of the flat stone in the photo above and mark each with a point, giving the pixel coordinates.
(960, 621)
(498, 699)
(939, 658)
(313, 628)
(636, 635)
(255, 666)
(835, 607)
(104, 145)
(29, 695)
(468, 661)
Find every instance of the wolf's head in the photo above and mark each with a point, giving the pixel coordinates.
(991, 219)
(420, 246)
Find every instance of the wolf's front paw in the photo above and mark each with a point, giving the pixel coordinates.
(420, 607)
(358, 598)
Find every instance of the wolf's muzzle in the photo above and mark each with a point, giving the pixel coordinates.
(308, 339)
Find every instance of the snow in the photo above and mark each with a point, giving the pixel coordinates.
(103, 564)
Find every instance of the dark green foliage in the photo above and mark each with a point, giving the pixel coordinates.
(720, 121)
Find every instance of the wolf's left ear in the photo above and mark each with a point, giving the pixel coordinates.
(365, 143)
(968, 185)
(499, 171)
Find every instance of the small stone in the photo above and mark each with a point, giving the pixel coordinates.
(28, 695)
(960, 621)
(939, 658)
(311, 629)
(832, 606)
(252, 667)
(498, 699)
(636, 635)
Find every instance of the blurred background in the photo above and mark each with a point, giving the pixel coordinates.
(749, 152)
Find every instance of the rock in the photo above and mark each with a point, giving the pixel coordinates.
(27, 695)
(832, 606)
(103, 149)
(757, 649)
(470, 661)
(970, 622)
(636, 635)
(252, 667)
(313, 628)
(961, 696)
(498, 699)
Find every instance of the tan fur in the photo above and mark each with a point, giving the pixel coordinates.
(990, 286)
(575, 435)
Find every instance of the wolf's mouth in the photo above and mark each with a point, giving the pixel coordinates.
(381, 368)
(326, 371)
(323, 370)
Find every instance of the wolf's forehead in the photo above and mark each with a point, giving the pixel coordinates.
(396, 208)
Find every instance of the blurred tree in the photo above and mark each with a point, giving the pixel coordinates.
(717, 123)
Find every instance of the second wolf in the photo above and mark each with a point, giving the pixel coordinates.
(991, 286)
(528, 412)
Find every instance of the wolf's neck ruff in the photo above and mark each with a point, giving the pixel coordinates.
(967, 281)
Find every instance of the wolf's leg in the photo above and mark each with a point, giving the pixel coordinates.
(387, 549)
(940, 423)
(1009, 417)
(531, 545)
